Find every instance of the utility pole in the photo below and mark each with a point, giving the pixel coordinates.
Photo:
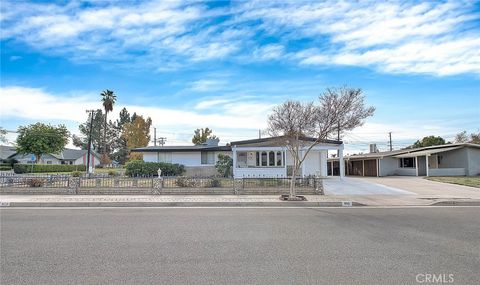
(390, 136)
(162, 140)
(89, 146)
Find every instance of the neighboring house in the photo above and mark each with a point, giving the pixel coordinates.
(6, 152)
(199, 160)
(441, 160)
(265, 157)
(67, 156)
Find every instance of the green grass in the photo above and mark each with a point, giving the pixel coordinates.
(472, 181)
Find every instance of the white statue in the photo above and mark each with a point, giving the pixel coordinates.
(159, 171)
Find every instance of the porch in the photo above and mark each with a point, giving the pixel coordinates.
(277, 162)
(432, 162)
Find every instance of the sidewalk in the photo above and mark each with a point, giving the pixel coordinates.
(225, 201)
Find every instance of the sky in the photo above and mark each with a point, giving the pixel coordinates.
(226, 64)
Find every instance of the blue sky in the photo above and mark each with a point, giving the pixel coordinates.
(226, 64)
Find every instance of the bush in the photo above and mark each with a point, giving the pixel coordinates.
(35, 182)
(141, 168)
(5, 167)
(215, 182)
(76, 173)
(41, 168)
(112, 173)
(224, 165)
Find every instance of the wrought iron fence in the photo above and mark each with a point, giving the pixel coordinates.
(168, 182)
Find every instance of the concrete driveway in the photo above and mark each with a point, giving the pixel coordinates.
(359, 186)
(424, 187)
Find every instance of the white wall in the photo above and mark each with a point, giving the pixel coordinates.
(388, 166)
(312, 163)
(83, 160)
(187, 158)
(406, 171)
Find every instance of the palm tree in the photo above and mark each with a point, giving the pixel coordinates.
(108, 100)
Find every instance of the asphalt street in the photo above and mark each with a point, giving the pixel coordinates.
(239, 246)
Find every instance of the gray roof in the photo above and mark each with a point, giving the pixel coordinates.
(410, 151)
(279, 139)
(66, 154)
(7, 151)
(72, 154)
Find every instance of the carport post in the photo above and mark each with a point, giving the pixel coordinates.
(342, 163)
(363, 167)
(426, 163)
(416, 165)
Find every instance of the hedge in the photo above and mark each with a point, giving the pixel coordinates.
(141, 168)
(40, 168)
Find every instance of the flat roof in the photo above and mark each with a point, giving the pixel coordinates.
(411, 152)
(273, 139)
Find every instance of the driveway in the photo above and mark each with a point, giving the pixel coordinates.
(359, 186)
(424, 187)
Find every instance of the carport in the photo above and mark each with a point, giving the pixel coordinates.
(363, 167)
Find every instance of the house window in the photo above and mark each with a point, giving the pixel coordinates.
(279, 158)
(49, 162)
(258, 158)
(165, 157)
(241, 159)
(271, 158)
(407, 162)
(264, 158)
(208, 157)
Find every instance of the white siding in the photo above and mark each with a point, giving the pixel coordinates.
(388, 166)
(312, 163)
(187, 158)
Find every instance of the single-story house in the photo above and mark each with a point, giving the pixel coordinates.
(199, 160)
(461, 159)
(67, 156)
(264, 157)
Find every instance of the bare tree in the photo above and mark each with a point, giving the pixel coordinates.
(302, 126)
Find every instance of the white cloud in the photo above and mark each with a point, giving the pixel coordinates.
(439, 38)
(36, 104)
(203, 85)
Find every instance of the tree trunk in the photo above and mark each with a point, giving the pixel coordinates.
(38, 156)
(105, 134)
(292, 183)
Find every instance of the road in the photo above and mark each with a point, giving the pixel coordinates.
(239, 246)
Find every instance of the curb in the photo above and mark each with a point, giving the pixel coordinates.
(285, 204)
(457, 203)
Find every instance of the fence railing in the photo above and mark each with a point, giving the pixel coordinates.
(168, 182)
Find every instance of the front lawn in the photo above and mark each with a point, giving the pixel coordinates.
(472, 181)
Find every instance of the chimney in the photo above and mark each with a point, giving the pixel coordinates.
(212, 142)
(373, 148)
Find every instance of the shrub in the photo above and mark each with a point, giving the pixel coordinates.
(184, 181)
(5, 167)
(215, 182)
(76, 173)
(112, 173)
(224, 165)
(141, 168)
(35, 182)
(41, 168)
